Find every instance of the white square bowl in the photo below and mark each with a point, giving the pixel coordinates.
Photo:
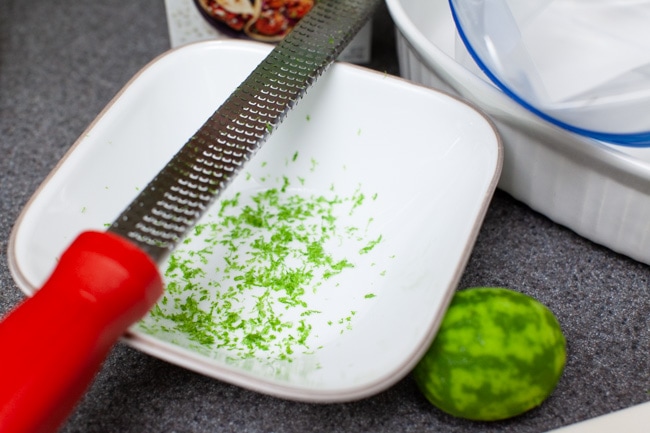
(405, 174)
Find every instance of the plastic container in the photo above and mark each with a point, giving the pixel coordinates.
(581, 64)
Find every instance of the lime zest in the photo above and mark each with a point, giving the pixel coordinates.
(271, 251)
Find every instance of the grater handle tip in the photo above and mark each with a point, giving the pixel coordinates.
(54, 342)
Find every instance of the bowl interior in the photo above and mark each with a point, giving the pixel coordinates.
(322, 272)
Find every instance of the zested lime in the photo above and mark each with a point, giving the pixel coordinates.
(498, 353)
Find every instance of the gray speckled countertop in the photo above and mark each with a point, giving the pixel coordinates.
(61, 62)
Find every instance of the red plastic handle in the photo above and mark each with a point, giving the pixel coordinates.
(53, 344)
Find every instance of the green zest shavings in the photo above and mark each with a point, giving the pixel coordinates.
(245, 281)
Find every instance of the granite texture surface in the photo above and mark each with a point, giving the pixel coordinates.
(61, 63)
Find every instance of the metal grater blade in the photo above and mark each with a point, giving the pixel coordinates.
(171, 204)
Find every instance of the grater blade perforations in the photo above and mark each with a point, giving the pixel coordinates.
(171, 204)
